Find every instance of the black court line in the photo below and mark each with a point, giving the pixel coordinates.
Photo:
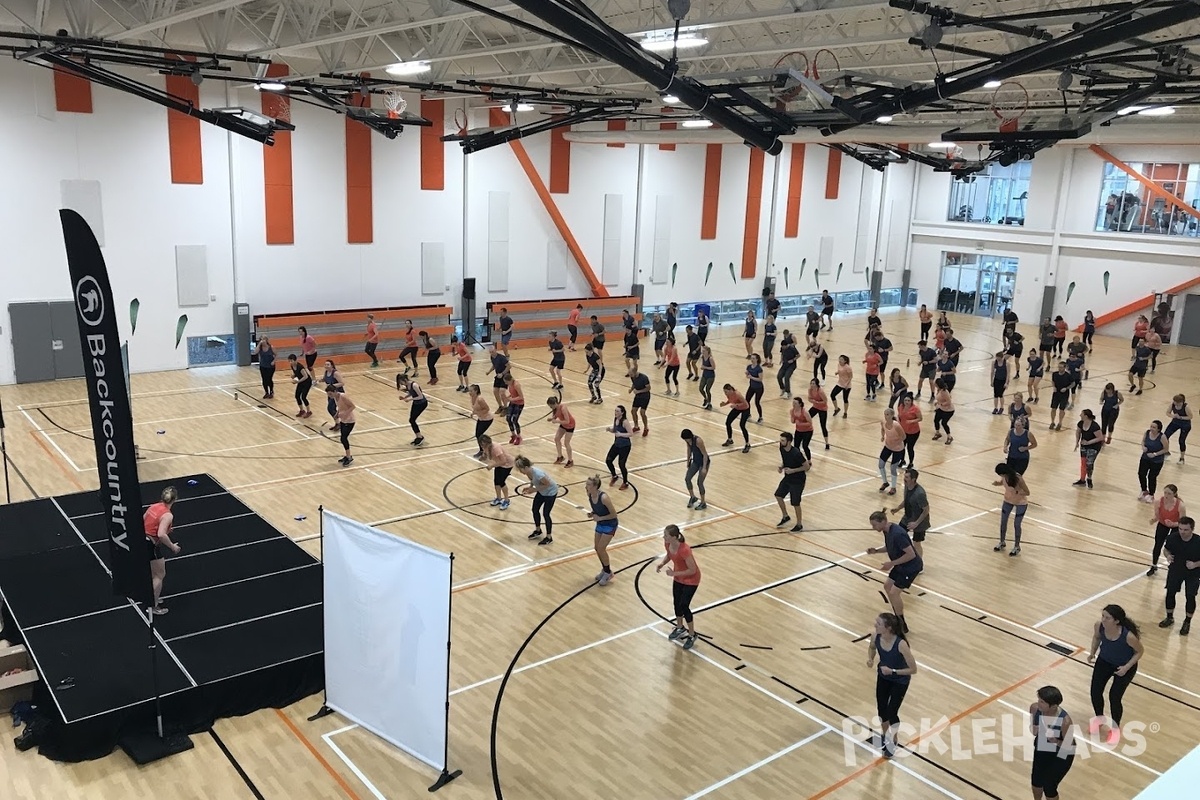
(21, 475)
(236, 766)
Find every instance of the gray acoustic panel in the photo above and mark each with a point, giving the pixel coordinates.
(825, 255)
(497, 263)
(191, 274)
(41, 83)
(83, 197)
(660, 268)
(433, 268)
(556, 264)
(610, 264)
(865, 228)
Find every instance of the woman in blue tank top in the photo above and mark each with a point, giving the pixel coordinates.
(1054, 743)
(751, 332)
(1117, 639)
(604, 514)
(1017, 444)
(754, 391)
(896, 668)
(1037, 369)
(1155, 450)
(1110, 409)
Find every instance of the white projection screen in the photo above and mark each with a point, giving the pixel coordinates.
(387, 625)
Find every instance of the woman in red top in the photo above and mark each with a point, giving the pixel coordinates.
(909, 416)
(739, 407)
(372, 340)
(671, 355)
(1060, 334)
(872, 359)
(686, 574)
(157, 523)
(1167, 512)
(463, 354)
(1140, 329)
(573, 325)
(308, 346)
(566, 429)
(410, 347)
(804, 426)
(516, 404)
(819, 408)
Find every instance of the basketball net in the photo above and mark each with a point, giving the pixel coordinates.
(1009, 103)
(395, 102)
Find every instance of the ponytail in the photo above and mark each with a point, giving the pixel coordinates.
(674, 532)
(1118, 614)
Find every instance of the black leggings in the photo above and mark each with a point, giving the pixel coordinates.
(346, 427)
(844, 391)
(755, 392)
(888, 697)
(872, 385)
(803, 438)
(822, 415)
(1184, 429)
(734, 413)
(418, 408)
(431, 359)
(513, 417)
(768, 347)
(481, 426)
(1087, 337)
(1161, 532)
(594, 379)
(1153, 360)
(1179, 579)
(672, 373)
(542, 506)
(819, 366)
(620, 455)
(1058, 346)
(925, 326)
(302, 390)
(683, 594)
(574, 331)
(785, 376)
(268, 379)
(370, 351)
(941, 420)
(1101, 673)
(1148, 474)
(1108, 421)
(910, 444)
(706, 384)
(697, 470)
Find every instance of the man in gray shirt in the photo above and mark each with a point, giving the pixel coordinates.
(916, 510)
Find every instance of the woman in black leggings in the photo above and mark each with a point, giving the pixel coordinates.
(410, 392)
(895, 671)
(545, 492)
(619, 451)
(708, 374)
(819, 410)
(1117, 639)
(304, 381)
(266, 367)
(1155, 450)
(754, 391)
(686, 574)
(432, 354)
(739, 407)
(820, 359)
(481, 410)
(789, 356)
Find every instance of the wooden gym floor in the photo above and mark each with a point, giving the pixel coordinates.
(600, 704)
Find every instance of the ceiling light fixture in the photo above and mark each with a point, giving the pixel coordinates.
(1157, 111)
(696, 123)
(885, 119)
(515, 106)
(993, 84)
(670, 99)
(408, 68)
(684, 42)
(940, 145)
(1124, 112)
(270, 86)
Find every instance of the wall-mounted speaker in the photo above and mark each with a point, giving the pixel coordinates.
(468, 289)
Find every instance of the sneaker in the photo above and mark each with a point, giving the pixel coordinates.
(547, 540)
(495, 501)
(746, 449)
(1150, 573)
(889, 749)
(1186, 627)
(1080, 482)
(758, 421)
(504, 505)
(623, 487)
(343, 461)
(691, 502)
(786, 519)
(347, 461)
(727, 443)
(634, 429)
(1167, 622)
(569, 463)
(537, 534)
(420, 440)
(645, 431)
(689, 642)
(300, 413)
(998, 548)
(675, 634)
(1089, 483)
(159, 610)
(603, 578)
(559, 460)
(1016, 551)
(884, 487)
(701, 506)
(797, 528)
(613, 480)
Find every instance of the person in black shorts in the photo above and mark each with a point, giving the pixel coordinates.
(694, 343)
(999, 381)
(903, 564)
(1016, 345)
(826, 308)
(1063, 381)
(791, 485)
(640, 386)
(558, 360)
(597, 333)
(928, 358)
(812, 324)
(1010, 324)
(953, 347)
(1054, 743)
(1141, 362)
(1046, 339)
(498, 369)
(916, 510)
(883, 346)
(633, 351)
(1183, 572)
(595, 373)
(698, 462)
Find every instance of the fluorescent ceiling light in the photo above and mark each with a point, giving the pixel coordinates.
(1124, 112)
(993, 84)
(940, 145)
(1157, 111)
(270, 86)
(884, 119)
(696, 123)
(670, 99)
(408, 68)
(521, 107)
(684, 42)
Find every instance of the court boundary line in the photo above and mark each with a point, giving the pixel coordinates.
(761, 763)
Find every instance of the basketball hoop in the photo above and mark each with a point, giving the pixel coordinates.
(1009, 103)
(395, 103)
(277, 106)
(460, 120)
(790, 90)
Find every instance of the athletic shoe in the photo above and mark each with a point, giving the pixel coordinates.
(837, 411)
(547, 540)
(884, 487)
(634, 429)
(559, 460)
(1016, 551)
(998, 548)
(537, 534)
(495, 501)
(623, 487)
(518, 441)
(605, 578)
(646, 431)
(889, 749)
(433, 382)
(613, 480)
(827, 445)
(689, 642)
(746, 449)
(797, 528)
(691, 502)
(417, 442)
(1139, 391)
(1089, 483)
(1080, 482)
(569, 464)
(1167, 622)
(512, 439)
(300, 413)
(758, 421)
(786, 519)
(675, 634)
(892, 490)
(159, 610)
(727, 443)
(1186, 627)
(1152, 571)
(701, 506)
(504, 504)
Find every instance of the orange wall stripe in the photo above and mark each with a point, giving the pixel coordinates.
(668, 126)
(616, 125)
(360, 217)
(277, 169)
(1141, 304)
(499, 119)
(433, 149)
(753, 213)
(712, 191)
(833, 174)
(791, 215)
(183, 133)
(560, 162)
(72, 93)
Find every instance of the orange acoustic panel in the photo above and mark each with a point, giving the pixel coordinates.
(712, 191)
(72, 93)
(183, 133)
(433, 149)
(616, 125)
(791, 215)
(277, 168)
(668, 126)
(360, 217)
(560, 162)
(833, 174)
(753, 213)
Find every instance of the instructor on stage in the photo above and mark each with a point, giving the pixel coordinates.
(157, 523)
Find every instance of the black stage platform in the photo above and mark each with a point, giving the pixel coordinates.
(243, 632)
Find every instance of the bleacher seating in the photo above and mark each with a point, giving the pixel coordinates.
(533, 320)
(341, 335)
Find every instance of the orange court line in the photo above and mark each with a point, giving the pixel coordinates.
(56, 460)
(985, 701)
(304, 740)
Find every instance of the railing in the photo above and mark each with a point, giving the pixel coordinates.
(792, 306)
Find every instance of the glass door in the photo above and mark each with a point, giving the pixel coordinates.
(986, 304)
(967, 299)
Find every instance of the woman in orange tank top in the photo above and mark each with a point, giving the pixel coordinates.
(560, 414)
(804, 426)
(686, 574)
(1167, 512)
(818, 407)
(909, 416)
(157, 523)
(739, 407)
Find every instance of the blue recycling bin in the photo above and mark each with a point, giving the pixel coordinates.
(700, 308)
